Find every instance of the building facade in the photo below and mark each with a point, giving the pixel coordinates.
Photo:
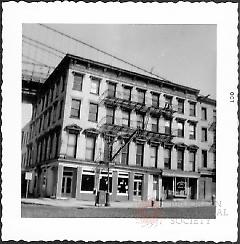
(86, 110)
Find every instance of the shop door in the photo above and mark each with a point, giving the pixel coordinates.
(137, 190)
(67, 186)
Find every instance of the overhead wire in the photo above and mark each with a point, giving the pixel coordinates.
(99, 50)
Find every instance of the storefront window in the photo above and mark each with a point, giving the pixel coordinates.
(87, 182)
(122, 185)
(103, 183)
(181, 186)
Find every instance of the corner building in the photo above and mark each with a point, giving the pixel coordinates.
(86, 110)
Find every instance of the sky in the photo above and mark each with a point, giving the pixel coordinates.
(184, 54)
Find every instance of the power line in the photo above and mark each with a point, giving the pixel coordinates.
(43, 44)
(99, 50)
(41, 48)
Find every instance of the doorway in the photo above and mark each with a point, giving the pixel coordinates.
(67, 185)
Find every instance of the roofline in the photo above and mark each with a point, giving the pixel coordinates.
(145, 77)
(131, 73)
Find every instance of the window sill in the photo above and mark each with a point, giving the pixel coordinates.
(97, 94)
(93, 121)
(72, 117)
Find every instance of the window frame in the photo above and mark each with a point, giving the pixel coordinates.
(97, 81)
(203, 113)
(204, 158)
(180, 131)
(193, 114)
(77, 86)
(154, 158)
(180, 106)
(194, 131)
(92, 148)
(167, 160)
(180, 161)
(139, 155)
(204, 136)
(91, 112)
(155, 102)
(192, 162)
(79, 109)
(73, 146)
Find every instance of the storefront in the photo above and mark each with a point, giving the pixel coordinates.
(177, 185)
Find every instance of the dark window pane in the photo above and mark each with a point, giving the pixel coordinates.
(77, 82)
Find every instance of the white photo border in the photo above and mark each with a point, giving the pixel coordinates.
(225, 16)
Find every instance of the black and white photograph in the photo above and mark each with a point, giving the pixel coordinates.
(119, 121)
(106, 131)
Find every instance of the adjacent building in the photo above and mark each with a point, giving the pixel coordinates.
(86, 110)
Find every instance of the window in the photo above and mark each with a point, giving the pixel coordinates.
(57, 144)
(155, 100)
(180, 157)
(50, 95)
(107, 151)
(204, 134)
(60, 110)
(111, 89)
(46, 104)
(77, 82)
(95, 84)
(153, 156)
(154, 124)
(167, 158)
(204, 158)
(204, 113)
(180, 126)
(192, 131)
(141, 96)
(140, 121)
(54, 113)
(57, 89)
(110, 114)
(139, 154)
(62, 82)
(180, 106)
(125, 154)
(168, 101)
(192, 109)
(49, 117)
(192, 156)
(72, 145)
(93, 112)
(168, 127)
(40, 125)
(75, 109)
(214, 115)
(90, 148)
(126, 118)
(127, 93)
(122, 185)
(87, 182)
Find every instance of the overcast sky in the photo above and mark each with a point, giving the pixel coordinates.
(185, 54)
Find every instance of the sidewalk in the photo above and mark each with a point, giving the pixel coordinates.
(71, 202)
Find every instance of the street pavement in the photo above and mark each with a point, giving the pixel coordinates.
(71, 202)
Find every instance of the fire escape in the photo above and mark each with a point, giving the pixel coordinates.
(118, 128)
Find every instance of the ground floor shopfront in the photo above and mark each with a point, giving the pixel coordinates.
(81, 181)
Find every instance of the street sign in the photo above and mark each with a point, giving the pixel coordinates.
(28, 176)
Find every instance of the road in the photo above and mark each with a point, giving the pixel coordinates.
(43, 211)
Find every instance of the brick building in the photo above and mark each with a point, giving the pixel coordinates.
(86, 110)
